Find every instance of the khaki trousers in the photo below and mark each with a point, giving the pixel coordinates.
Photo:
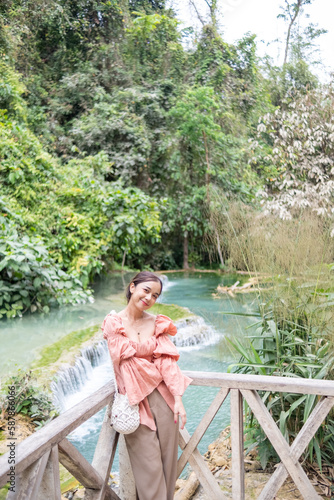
(153, 454)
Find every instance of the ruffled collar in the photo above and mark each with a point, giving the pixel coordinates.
(163, 325)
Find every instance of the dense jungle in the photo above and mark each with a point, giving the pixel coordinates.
(130, 142)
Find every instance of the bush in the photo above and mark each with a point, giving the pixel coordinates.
(30, 400)
(29, 279)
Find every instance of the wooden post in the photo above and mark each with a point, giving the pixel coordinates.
(276, 438)
(313, 423)
(126, 478)
(237, 441)
(56, 476)
(104, 456)
(30, 480)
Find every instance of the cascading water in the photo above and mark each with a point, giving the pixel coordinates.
(195, 333)
(91, 370)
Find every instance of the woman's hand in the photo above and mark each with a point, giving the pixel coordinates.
(179, 410)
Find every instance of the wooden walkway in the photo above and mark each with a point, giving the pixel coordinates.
(38, 456)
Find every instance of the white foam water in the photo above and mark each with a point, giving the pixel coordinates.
(194, 333)
(92, 369)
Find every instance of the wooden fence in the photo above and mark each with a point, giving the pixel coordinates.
(38, 456)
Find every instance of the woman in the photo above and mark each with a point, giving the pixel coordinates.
(144, 360)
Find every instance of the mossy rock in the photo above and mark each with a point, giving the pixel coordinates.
(174, 312)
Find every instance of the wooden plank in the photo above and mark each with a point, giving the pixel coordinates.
(104, 456)
(78, 466)
(300, 443)
(81, 469)
(262, 383)
(237, 442)
(32, 448)
(276, 438)
(56, 475)
(201, 429)
(30, 480)
(202, 471)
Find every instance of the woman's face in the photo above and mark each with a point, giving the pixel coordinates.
(145, 294)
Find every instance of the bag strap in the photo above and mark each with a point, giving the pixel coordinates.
(112, 312)
(116, 387)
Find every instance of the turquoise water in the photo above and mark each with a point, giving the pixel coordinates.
(22, 338)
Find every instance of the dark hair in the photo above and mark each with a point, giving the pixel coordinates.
(141, 278)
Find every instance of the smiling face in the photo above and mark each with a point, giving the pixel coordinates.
(145, 294)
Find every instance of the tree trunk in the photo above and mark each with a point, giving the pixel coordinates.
(219, 250)
(292, 20)
(207, 173)
(185, 251)
(123, 260)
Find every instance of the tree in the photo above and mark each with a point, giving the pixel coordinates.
(212, 6)
(204, 155)
(290, 13)
(299, 161)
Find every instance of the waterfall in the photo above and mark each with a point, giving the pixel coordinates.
(193, 333)
(73, 380)
(166, 284)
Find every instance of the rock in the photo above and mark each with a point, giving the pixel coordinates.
(220, 461)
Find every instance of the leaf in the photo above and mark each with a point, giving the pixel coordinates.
(37, 282)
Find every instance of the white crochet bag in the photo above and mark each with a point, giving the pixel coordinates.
(124, 417)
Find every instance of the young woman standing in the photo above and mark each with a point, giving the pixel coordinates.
(145, 367)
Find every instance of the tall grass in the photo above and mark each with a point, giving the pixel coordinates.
(295, 332)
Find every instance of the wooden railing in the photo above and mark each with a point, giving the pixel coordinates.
(38, 456)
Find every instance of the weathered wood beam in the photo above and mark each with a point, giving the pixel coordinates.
(78, 466)
(81, 469)
(262, 383)
(201, 429)
(202, 471)
(36, 445)
(29, 481)
(104, 456)
(237, 442)
(300, 443)
(56, 475)
(276, 438)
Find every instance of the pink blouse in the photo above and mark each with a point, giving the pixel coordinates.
(142, 367)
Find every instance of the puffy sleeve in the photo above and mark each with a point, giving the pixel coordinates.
(165, 358)
(119, 345)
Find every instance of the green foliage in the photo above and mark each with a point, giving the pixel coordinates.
(116, 133)
(11, 90)
(78, 216)
(154, 43)
(30, 400)
(29, 279)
